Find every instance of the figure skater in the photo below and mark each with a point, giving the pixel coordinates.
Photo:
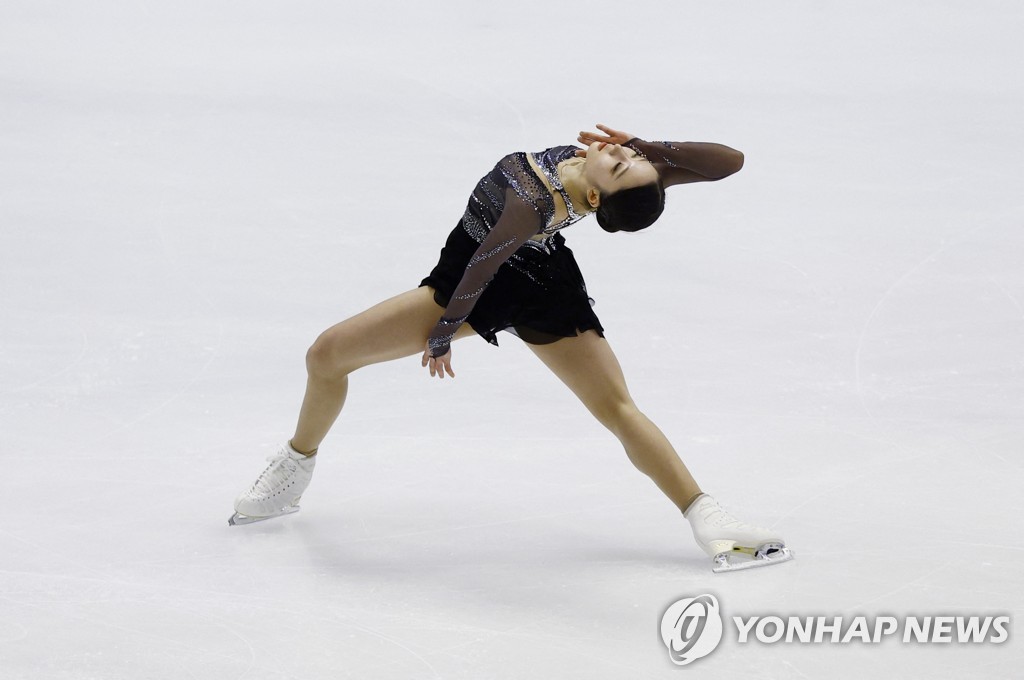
(505, 266)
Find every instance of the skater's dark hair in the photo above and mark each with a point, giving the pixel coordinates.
(632, 209)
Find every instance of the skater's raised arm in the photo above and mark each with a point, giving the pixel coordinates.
(676, 162)
(687, 162)
(518, 222)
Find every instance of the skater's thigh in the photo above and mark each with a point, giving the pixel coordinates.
(395, 328)
(588, 366)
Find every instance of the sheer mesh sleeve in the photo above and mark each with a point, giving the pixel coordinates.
(684, 162)
(518, 222)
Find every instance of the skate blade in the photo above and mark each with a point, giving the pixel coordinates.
(239, 519)
(729, 562)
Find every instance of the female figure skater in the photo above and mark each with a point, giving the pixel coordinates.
(505, 266)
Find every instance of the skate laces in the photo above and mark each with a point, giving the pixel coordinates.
(712, 514)
(280, 468)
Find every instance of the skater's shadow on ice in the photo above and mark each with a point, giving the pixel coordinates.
(337, 548)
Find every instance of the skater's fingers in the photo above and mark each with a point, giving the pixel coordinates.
(612, 136)
(607, 136)
(615, 134)
(440, 365)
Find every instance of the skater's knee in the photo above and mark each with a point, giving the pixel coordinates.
(324, 358)
(616, 412)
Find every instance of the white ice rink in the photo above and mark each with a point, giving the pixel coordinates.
(833, 338)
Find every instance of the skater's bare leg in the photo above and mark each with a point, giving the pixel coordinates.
(393, 329)
(587, 365)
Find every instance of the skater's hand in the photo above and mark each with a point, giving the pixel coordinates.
(438, 365)
(610, 136)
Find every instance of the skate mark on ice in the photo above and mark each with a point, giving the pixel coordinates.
(858, 354)
(94, 621)
(765, 254)
(794, 669)
(870, 471)
(178, 394)
(386, 638)
(185, 282)
(59, 372)
(986, 546)
(978, 450)
(859, 606)
(229, 627)
(1013, 300)
(46, 550)
(22, 633)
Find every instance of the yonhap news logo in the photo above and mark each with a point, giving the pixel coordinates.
(692, 628)
(873, 630)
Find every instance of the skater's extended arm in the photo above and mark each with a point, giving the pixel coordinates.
(518, 222)
(676, 162)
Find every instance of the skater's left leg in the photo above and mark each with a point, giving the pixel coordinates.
(587, 365)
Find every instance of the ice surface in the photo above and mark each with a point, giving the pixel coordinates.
(832, 338)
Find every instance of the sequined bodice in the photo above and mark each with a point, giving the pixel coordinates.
(514, 172)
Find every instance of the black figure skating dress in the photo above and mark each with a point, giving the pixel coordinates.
(505, 266)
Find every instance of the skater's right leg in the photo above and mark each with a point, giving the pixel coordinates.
(393, 329)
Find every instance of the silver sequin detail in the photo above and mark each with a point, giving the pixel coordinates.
(632, 145)
(443, 341)
(477, 259)
(548, 162)
(476, 227)
(488, 200)
(470, 296)
(666, 159)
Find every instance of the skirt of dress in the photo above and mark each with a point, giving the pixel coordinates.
(538, 294)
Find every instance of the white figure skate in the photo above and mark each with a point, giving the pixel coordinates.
(278, 489)
(732, 544)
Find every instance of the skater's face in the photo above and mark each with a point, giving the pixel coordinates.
(612, 167)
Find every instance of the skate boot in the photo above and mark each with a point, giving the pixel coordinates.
(277, 490)
(732, 544)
